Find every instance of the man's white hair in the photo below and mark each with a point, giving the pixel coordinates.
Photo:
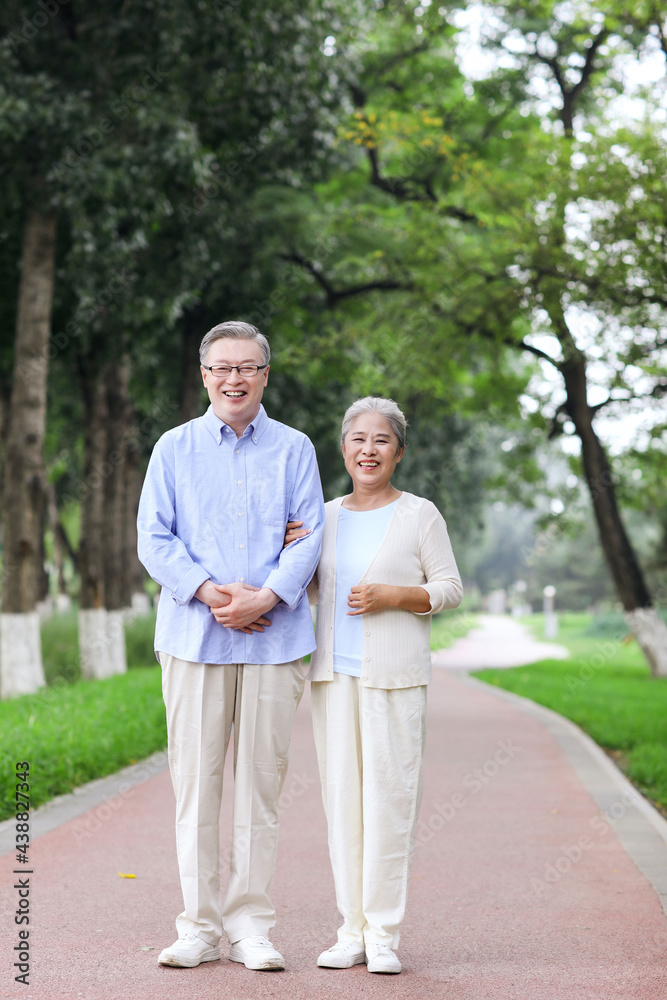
(234, 330)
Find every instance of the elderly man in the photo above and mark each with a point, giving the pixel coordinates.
(233, 625)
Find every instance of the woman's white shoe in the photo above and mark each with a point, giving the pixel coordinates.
(380, 958)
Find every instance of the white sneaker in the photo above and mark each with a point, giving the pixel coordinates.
(257, 953)
(342, 955)
(188, 952)
(380, 958)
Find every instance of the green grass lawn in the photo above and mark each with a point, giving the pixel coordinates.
(76, 730)
(606, 688)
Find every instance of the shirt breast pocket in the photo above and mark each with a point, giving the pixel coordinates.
(271, 493)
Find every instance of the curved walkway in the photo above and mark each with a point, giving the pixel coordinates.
(498, 641)
(521, 887)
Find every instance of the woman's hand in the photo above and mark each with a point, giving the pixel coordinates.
(294, 531)
(367, 597)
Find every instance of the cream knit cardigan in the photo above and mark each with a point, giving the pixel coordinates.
(415, 552)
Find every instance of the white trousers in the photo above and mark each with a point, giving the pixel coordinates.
(204, 702)
(370, 744)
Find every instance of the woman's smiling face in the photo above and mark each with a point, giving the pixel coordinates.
(371, 451)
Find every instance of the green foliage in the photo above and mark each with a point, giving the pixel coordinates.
(489, 217)
(607, 625)
(606, 689)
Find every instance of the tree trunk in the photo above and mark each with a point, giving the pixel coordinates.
(58, 550)
(135, 574)
(93, 644)
(5, 397)
(644, 621)
(642, 617)
(91, 495)
(23, 487)
(116, 595)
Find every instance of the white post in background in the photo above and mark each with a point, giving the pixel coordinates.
(519, 607)
(497, 603)
(141, 604)
(550, 618)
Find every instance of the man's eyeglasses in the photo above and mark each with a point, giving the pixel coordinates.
(245, 371)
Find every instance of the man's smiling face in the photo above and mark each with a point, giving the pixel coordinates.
(235, 399)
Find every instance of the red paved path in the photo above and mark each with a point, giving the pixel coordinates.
(476, 928)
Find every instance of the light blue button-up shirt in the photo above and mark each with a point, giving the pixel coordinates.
(215, 506)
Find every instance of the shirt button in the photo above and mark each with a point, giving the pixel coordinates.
(242, 579)
(255, 440)
(239, 482)
(366, 658)
(366, 633)
(241, 546)
(238, 451)
(240, 513)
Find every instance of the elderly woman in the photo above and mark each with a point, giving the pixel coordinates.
(386, 566)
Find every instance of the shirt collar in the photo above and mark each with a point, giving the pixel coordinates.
(217, 427)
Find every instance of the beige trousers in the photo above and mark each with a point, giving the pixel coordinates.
(204, 702)
(370, 744)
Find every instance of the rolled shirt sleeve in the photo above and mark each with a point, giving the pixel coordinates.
(443, 582)
(297, 562)
(160, 550)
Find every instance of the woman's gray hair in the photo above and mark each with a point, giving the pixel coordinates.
(234, 330)
(377, 404)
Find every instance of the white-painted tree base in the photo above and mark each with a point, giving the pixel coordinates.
(101, 643)
(45, 609)
(650, 631)
(93, 642)
(141, 603)
(63, 603)
(21, 669)
(116, 642)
